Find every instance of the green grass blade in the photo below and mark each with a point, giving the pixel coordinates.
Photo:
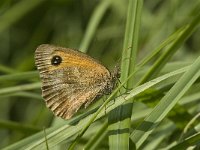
(13, 14)
(99, 136)
(19, 88)
(93, 24)
(161, 134)
(120, 118)
(192, 141)
(156, 51)
(58, 134)
(6, 69)
(158, 65)
(19, 76)
(166, 104)
(27, 129)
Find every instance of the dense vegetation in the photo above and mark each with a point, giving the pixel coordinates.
(157, 102)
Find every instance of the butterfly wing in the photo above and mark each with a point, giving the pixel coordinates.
(77, 80)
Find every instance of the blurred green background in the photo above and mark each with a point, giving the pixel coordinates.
(25, 24)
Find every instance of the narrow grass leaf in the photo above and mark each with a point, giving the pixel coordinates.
(166, 104)
(158, 65)
(120, 118)
(97, 15)
(19, 76)
(56, 135)
(20, 88)
(16, 12)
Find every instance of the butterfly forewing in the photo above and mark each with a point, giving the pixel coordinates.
(70, 79)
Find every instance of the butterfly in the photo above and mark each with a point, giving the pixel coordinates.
(71, 79)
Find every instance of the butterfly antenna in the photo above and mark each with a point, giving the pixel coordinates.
(123, 87)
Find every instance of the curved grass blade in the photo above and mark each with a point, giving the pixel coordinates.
(166, 104)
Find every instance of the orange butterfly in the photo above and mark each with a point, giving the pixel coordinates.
(71, 79)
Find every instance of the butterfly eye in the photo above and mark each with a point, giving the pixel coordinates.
(56, 60)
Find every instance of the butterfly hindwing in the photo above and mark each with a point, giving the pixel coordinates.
(70, 79)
